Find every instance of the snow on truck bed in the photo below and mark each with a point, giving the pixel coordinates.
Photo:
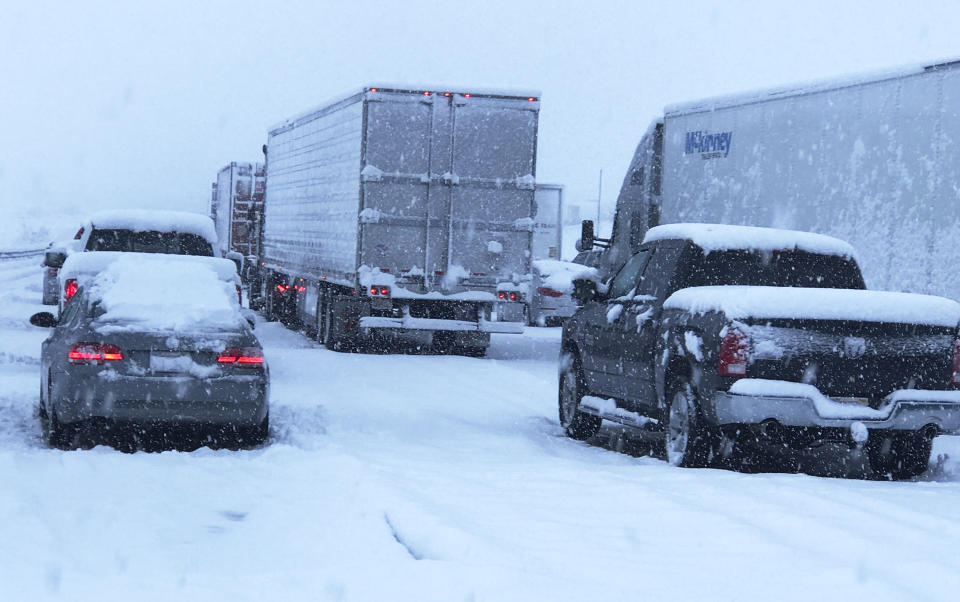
(153, 293)
(722, 237)
(141, 220)
(741, 302)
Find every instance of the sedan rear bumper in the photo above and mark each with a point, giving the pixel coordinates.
(234, 400)
(907, 409)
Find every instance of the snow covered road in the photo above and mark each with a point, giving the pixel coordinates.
(418, 477)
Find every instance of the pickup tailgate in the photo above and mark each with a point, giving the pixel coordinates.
(848, 343)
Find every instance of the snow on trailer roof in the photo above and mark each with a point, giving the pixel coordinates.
(140, 220)
(156, 294)
(802, 89)
(356, 95)
(724, 237)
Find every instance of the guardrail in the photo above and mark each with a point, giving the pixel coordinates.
(20, 254)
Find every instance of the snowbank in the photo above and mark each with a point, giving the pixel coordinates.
(742, 302)
(153, 293)
(721, 237)
(140, 220)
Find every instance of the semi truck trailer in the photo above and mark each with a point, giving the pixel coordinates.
(235, 206)
(871, 160)
(402, 212)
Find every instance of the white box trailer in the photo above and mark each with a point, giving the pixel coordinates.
(402, 211)
(236, 206)
(547, 220)
(871, 160)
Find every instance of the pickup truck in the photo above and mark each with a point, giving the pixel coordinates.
(732, 342)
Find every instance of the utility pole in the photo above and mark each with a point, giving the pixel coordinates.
(599, 199)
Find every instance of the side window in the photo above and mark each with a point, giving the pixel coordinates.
(626, 279)
(661, 273)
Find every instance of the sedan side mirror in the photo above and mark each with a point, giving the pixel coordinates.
(584, 291)
(44, 319)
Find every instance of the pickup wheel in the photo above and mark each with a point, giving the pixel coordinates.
(689, 441)
(900, 456)
(576, 424)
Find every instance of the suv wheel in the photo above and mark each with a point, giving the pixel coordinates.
(575, 423)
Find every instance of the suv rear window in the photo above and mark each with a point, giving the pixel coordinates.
(148, 241)
(777, 268)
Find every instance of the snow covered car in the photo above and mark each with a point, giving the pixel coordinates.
(552, 283)
(137, 231)
(153, 340)
(741, 344)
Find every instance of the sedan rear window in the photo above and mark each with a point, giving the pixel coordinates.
(148, 241)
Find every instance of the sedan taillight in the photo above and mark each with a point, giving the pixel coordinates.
(93, 353)
(245, 357)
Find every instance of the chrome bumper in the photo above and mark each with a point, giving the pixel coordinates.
(409, 323)
(907, 410)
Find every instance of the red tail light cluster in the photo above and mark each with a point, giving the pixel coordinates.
(549, 292)
(380, 291)
(70, 289)
(504, 296)
(955, 379)
(734, 354)
(245, 357)
(93, 353)
(282, 288)
(79, 234)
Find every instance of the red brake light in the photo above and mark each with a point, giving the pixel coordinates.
(384, 290)
(70, 289)
(247, 357)
(513, 296)
(955, 379)
(93, 353)
(466, 95)
(79, 234)
(426, 94)
(446, 94)
(734, 353)
(502, 295)
(373, 89)
(549, 292)
(374, 290)
(531, 99)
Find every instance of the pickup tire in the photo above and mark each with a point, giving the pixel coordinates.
(900, 456)
(690, 442)
(576, 424)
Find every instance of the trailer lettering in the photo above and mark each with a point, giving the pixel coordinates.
(709, 146)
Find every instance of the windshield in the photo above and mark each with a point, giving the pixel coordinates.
(777, 268)
(148, 241)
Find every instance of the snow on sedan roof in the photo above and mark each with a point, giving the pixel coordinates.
(155, 294)
(771, 302)
(84, 265)
(723, 237)
(140, 220)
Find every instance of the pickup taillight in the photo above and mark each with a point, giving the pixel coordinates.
(70, 288)
(734, 354)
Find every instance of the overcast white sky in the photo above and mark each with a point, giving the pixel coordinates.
(114, 104)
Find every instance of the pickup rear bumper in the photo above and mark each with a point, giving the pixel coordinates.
(906, 409)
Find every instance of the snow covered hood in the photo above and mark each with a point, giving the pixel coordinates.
(155, 294)
(84, 265)
(742, 302)
(140, 220)
(722, 237)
